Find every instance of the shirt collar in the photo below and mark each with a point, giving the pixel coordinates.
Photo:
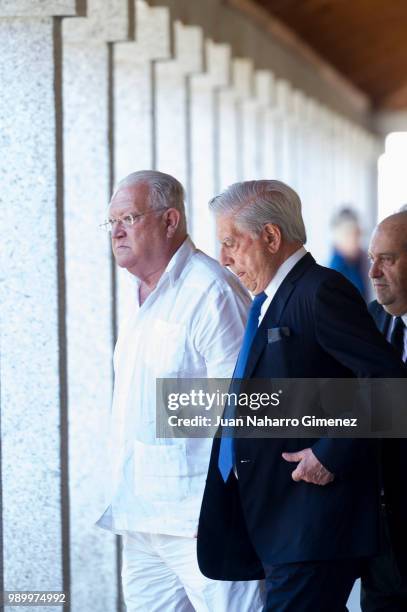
(404, 317)
(179, 260)
(283, 270)
(176, 263)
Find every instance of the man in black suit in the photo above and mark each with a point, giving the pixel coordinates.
(384, 587)
(306, 528)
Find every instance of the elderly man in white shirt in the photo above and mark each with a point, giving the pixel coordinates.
(187, 321)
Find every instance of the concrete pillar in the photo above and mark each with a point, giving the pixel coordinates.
(325, 183)
(298, 135)
(172, 119)
(87, 88)
(374, 150)
(229, 114)
(134, 127)
(269, 153)
(339, 158)
(35, 497)
(302, 126)
(204, 140)
(313, 202)
(251, 110)
(283, 92)
(133, 108)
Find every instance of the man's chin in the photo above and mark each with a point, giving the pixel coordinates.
(383, 299)
(121, 262)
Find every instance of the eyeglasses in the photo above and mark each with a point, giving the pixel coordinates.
(128, 220)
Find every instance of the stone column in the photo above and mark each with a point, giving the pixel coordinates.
(88, 131)
(269, 153)
(262, 84)
(204, 143)
(302, 127)
(282, 109)
(133, 104)
(229, 121)
(133, 89)
(172, 120)
(252, 129)
(35, 496)
(297, 133)
(313, 205)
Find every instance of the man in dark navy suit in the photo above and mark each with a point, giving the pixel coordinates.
(384, 587)
(303, 513)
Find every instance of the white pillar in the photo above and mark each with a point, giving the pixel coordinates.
(229, 121)
(283, 143)
(90, 313)
(252, 129)
(270, 152)
(204, 143)
(133, 89)
(35, 496)
(314, 207)
(172, 121)
(134, 130)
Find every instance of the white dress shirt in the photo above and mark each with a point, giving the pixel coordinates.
(278, 278)
(190, 326)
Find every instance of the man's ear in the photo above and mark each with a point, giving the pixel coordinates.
(172, 219)
(272, 236)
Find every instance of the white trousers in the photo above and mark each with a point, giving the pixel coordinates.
(160, 573)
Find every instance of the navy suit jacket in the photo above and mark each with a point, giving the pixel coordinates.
(394, 466)
(264, 517)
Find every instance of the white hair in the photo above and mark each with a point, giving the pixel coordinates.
(164, 190)
(256, 203)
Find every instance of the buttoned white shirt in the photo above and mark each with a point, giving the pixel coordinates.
(190, 326)
(278, 278)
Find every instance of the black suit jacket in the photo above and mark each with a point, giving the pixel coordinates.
(394, 466)
(264, 516)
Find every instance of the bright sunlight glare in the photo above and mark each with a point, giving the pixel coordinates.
(392, 182)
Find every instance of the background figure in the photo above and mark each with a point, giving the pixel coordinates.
(348, 256)
(384, 587)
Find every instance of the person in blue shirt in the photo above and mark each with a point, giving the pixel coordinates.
(348, 257)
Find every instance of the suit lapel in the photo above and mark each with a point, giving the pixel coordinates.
(381, 318)
(275, 311)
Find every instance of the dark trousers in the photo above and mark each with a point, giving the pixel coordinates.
(313, 586)
(384, 582)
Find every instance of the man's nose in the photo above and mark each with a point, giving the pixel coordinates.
(225, 259)
(118, 230)
(375, 270)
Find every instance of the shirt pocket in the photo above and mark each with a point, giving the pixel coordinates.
(164, 351)
(161, 471)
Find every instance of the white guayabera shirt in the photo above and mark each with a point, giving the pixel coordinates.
(190, 326)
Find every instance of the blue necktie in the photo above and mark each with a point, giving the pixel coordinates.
(226, 450)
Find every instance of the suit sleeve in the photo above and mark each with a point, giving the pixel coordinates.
(345, 330)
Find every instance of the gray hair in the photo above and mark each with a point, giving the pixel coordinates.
(256, 203)
(164, 190)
